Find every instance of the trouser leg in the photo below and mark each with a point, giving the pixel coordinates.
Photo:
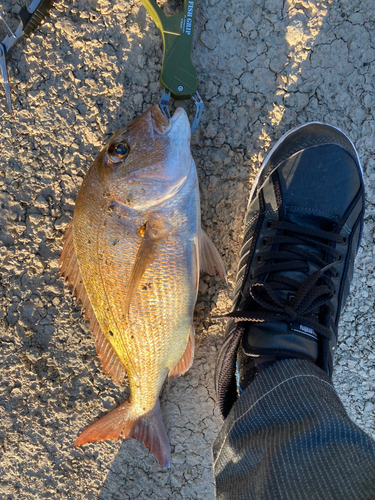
(289, 437)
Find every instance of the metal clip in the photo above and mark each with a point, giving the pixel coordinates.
(6, 24)
(4, 73)
(199, 105)
(30, 18)
(164, 104)
(197, 100)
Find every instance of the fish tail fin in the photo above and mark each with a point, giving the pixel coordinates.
(148, 429)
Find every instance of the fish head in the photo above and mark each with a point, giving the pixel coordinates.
(147, 162)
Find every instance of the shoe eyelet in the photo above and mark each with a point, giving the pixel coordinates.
(269, 224)
(264, 242)
(344, 240)
(339, 257)
(252, 276)
(259, 257)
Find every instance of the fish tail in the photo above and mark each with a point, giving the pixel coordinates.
(148, 429)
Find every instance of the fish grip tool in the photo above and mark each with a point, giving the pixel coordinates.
(30, 19)
(178, 76)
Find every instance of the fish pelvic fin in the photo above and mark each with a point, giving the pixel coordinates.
(210, 260)
(148, 429)
(155, 233)
(69, 269)
(187, 358)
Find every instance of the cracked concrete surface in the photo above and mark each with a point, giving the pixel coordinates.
(264, 66)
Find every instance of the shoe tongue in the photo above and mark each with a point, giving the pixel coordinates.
(314, 222)
(309, 220)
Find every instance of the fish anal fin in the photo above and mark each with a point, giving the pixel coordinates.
(148, 429)
(210, 260)
(187, 358)
(69, 269)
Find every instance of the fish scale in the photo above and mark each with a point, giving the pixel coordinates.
(138, 246)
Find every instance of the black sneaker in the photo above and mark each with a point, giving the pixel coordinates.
(302, 231)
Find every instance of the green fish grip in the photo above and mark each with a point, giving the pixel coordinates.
(30, 22)
(178, 74)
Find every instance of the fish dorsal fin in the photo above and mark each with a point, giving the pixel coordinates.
(70, 271)
(210, 260)
(187, 358)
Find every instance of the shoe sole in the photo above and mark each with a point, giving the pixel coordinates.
(282, 139)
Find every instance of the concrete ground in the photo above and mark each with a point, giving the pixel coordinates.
(264, 66)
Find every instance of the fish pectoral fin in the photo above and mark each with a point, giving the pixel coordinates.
(210, 260)
(187, 358)
(148, 429)
(155, 232)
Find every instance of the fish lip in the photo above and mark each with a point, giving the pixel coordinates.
(162, 125)
(159, 120)
(179, 115)
(179, 127)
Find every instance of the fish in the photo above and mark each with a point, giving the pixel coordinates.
(132, 254)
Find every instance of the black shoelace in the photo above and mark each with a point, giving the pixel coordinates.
(308, 296)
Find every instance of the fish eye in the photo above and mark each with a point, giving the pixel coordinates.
(117, 153)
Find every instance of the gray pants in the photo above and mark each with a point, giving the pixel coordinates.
(288, 437)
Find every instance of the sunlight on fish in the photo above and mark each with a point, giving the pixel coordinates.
(132, 254)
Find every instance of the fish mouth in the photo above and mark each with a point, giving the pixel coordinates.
(179, 127)
(159, 120)
(164, 126)
(179, 114)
